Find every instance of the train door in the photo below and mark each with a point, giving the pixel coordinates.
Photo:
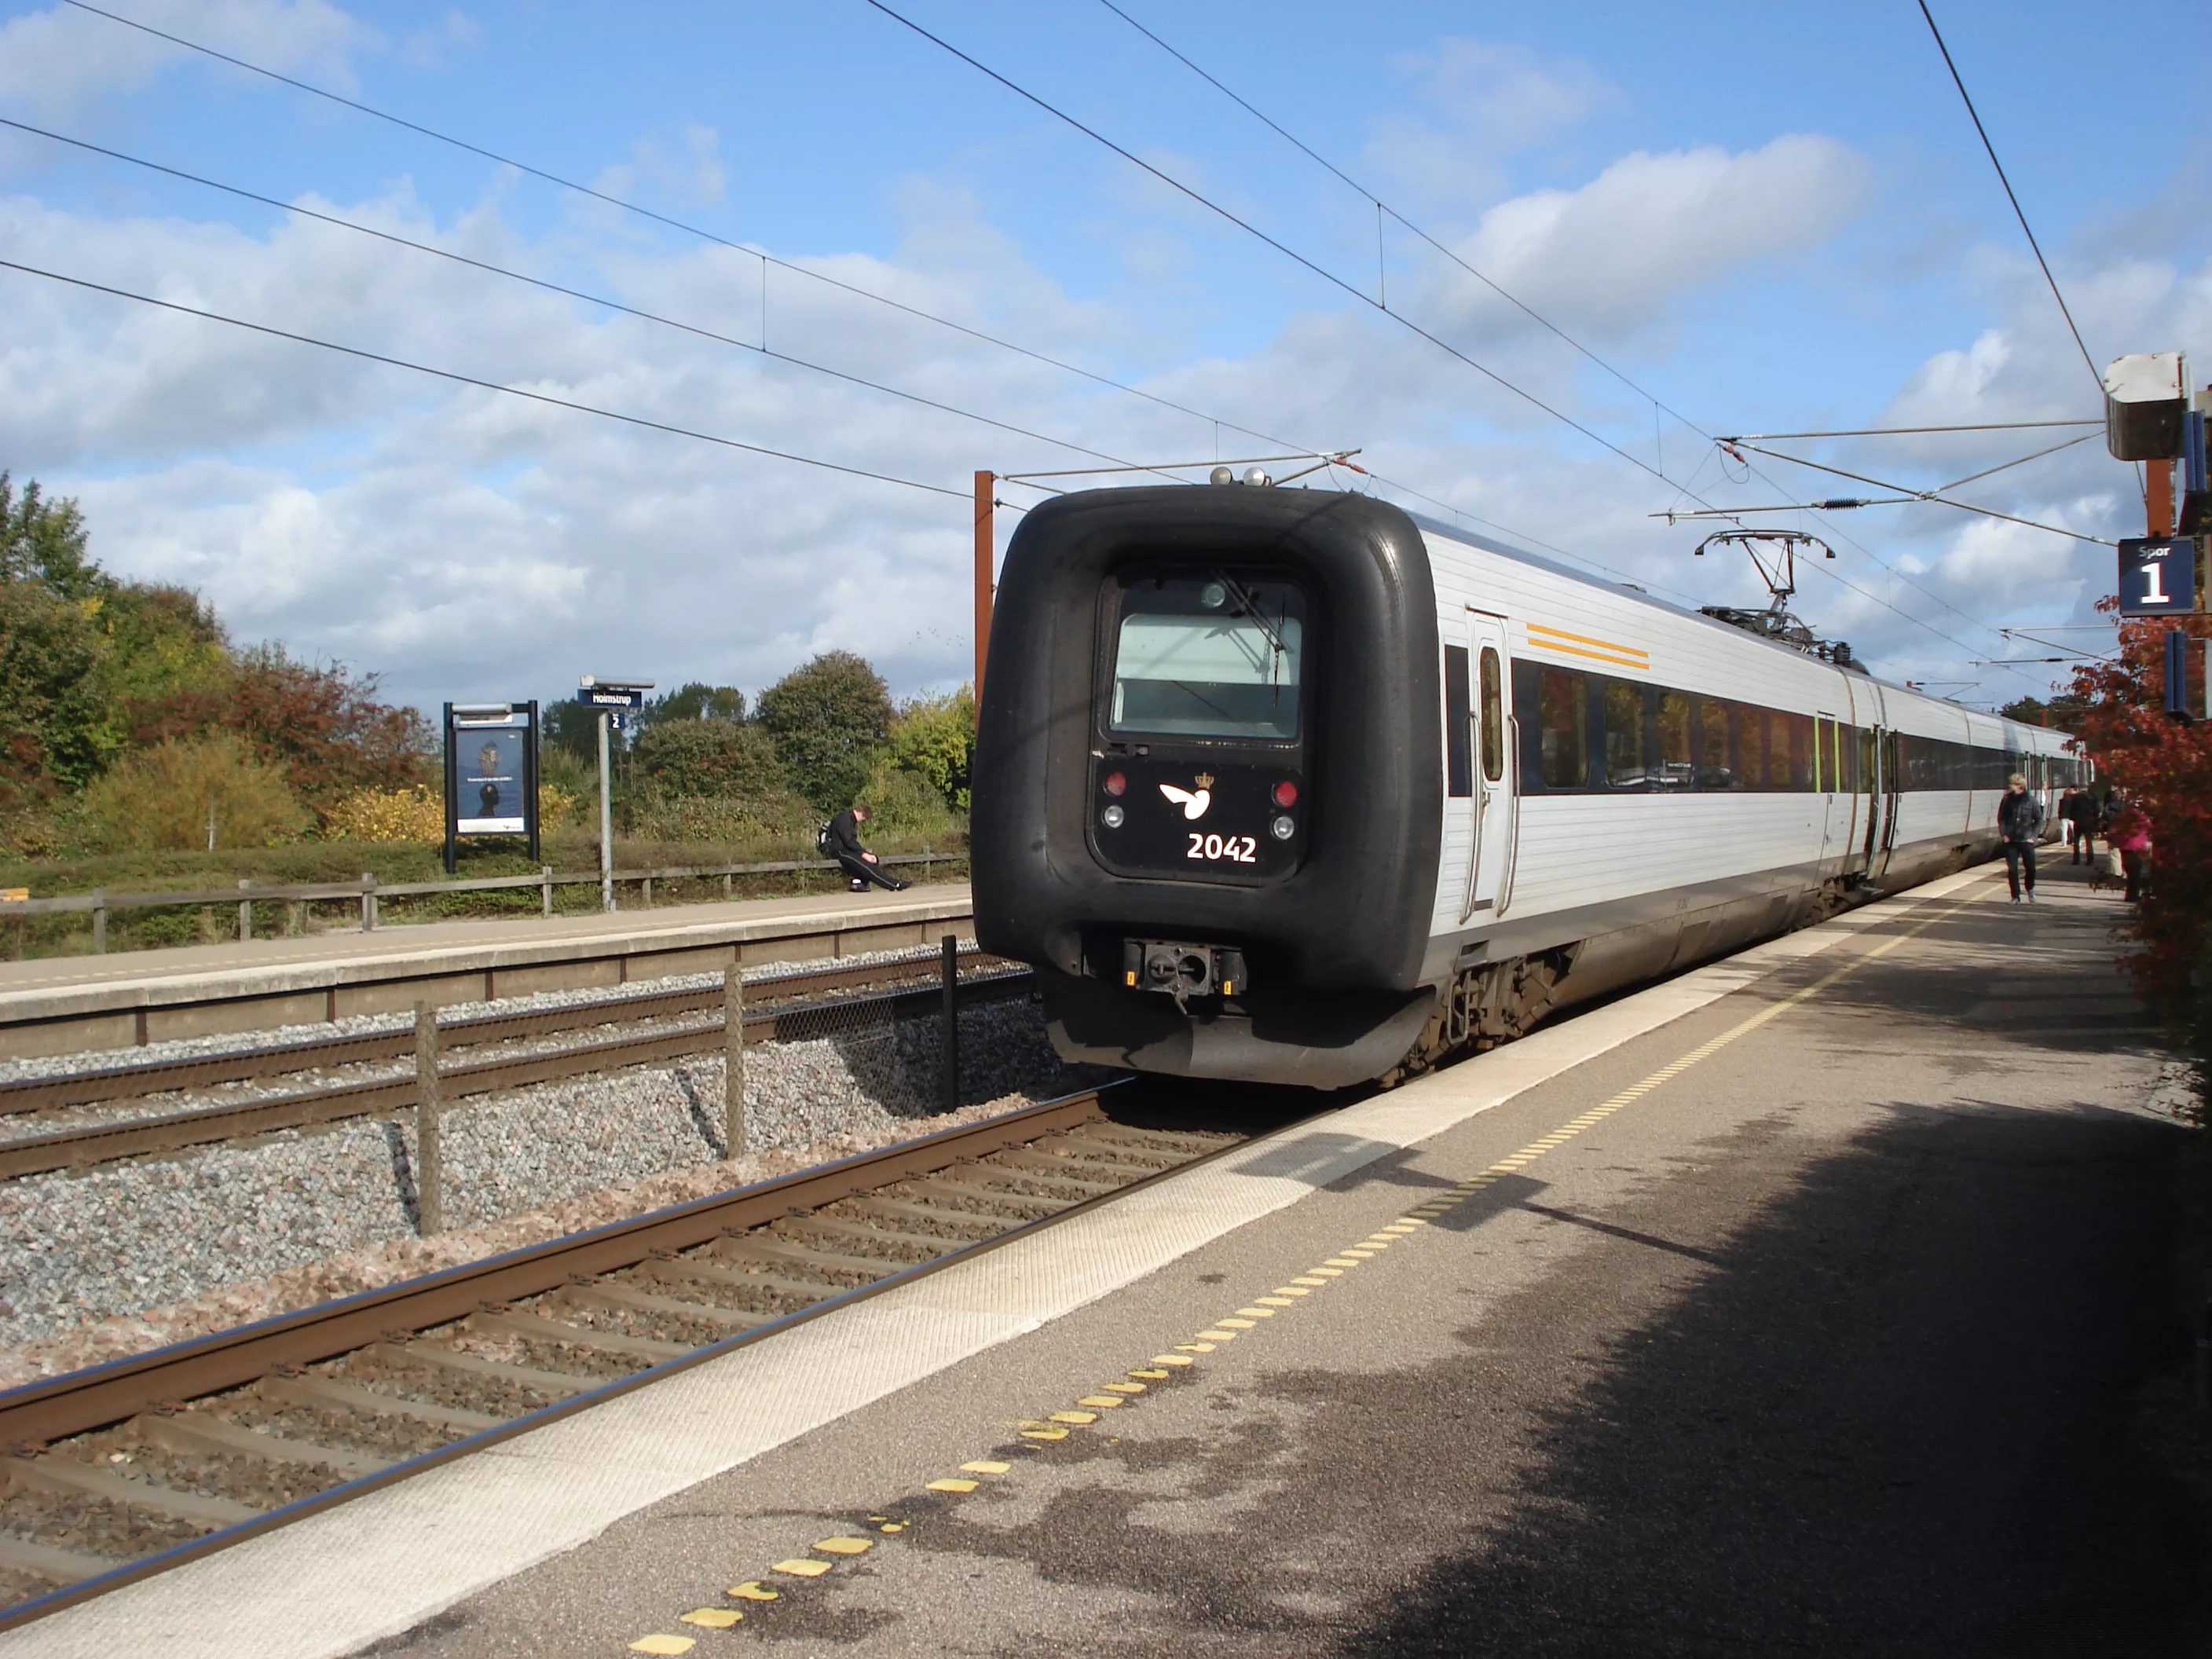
(1889, 752)
(1490, 862)
(1833, 802)
(1851, 817)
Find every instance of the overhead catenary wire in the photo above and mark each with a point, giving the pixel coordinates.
(766, 258)
(459, 379)
(1382, 207)
(1895, 431)
(1933, 495)
(1656, 403)
(918, 312)
(1281, 247)
(981, 335)
(540, 283)
(2019, 212)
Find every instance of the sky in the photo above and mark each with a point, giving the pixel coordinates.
(1715, 220)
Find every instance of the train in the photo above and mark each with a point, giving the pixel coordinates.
(1291, 785)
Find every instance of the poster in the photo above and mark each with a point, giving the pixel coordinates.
(491, 783)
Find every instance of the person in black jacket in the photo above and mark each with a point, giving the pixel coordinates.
(862, 866)
(2078, 811)
(2019, 820)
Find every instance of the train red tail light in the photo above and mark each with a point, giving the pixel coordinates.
(1286, 794)
(1115, 783)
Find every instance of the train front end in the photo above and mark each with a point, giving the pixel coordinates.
(1207, 791)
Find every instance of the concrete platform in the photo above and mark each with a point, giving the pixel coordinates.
(64, 1004)
(1798, 1304)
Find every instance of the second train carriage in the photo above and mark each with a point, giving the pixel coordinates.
(1290, 786)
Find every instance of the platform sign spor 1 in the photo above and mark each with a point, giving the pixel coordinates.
(2158, 577)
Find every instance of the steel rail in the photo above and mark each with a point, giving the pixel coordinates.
(40, 1412)
(57, 1407)
(139, 1079)
(169, 1132)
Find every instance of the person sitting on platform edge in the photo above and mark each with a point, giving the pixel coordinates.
(840, 840)
(2019, 817)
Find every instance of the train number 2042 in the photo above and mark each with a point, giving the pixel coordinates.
(1237, 850)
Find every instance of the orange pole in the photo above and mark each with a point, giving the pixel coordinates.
(984, 481)
(2157, 498)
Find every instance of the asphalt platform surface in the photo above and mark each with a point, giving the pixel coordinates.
(1829, 1334)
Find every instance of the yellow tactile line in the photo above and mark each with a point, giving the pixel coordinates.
(1088, 1408)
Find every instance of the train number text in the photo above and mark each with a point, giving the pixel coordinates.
(1237, 849)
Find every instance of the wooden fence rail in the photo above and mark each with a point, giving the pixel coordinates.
(369, 893)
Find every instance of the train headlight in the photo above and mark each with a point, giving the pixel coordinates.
(1115, 783)
(1282, 829)
(1112, 816)
(1213, 596)
(1286, 794)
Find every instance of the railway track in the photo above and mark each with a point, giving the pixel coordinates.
(778, 1009)
(135, 1466)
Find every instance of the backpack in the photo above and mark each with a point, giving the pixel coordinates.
(823, 843)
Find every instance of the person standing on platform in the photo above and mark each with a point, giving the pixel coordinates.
(2078, 811)
(2019, 820)
(2127, 829)
(842, 837)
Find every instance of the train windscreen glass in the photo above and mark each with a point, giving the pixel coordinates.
(1209, 657)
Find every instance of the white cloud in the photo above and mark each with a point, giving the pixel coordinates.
(1610, 256)
(54, 62)
(471, 544)
(1475, 103)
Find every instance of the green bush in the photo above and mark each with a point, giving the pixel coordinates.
(708, 757)
(906, 804)
(778, 819)
(934, 739)
(209, 792)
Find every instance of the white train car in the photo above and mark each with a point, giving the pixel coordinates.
(1287, 785)
(1665, 774)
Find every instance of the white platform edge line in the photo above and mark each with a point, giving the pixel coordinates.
(377, 1566)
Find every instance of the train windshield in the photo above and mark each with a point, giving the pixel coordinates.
(1209, 656)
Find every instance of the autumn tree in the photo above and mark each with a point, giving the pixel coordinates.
(93, 668)
(2165, 766)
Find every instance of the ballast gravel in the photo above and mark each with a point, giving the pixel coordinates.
(763, 975)
(118, 1258)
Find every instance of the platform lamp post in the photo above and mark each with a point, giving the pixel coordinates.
(611, 700)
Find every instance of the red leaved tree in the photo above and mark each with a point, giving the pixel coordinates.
(2165, 766)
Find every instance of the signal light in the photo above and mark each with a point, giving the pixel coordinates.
(1115, 783)
(1286, 794)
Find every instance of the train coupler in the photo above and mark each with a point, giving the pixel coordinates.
(1180, 970)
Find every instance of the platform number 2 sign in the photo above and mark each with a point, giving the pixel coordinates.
(2158, 577)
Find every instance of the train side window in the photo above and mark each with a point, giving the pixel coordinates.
(1625, 767)
(1674, 768)
(1750, 748)
(1824, 754)
(1794, 753)
(1563, 726)
(1710, 724)
(1459, 757)
(1493, 718)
